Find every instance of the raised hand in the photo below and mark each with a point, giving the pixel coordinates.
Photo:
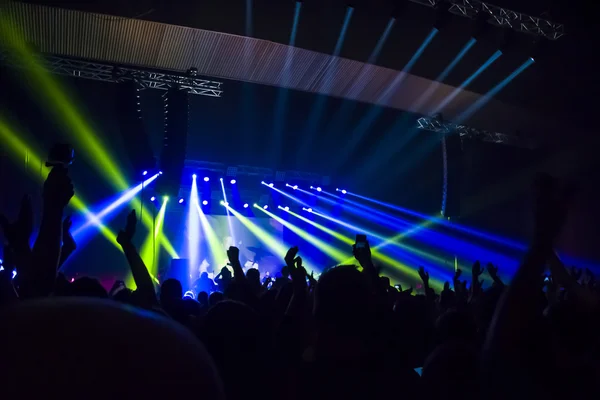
(290, 257)
(457, 274)
(424, 276)
(492, 270)
(58, 189)
(476, 270)
(126, 236)
(363, 254)
(17, 233)
(233, 254)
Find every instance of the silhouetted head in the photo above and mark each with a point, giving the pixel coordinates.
(225, 272)
(202, 298)
(88, 287)
(214, 298)
(232, 334)
(253, 276)
(342, 299)
(285, 272)
(124, 296)
(171, 290)
(204, 275)
(72, 337)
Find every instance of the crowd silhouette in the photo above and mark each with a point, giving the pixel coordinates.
(349, 334)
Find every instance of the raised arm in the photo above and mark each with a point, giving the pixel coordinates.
(493, 272)
(58, 190)
(510, 351)
(68, 243)
(234, 259)
(140, 273)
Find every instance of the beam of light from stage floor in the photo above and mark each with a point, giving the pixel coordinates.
(215, 248)
(361, 81)
(193, 222)
(440, 221)
(325, 85)
(483, 100)
(297, 9)
(401, 267)
(289, 196)
(229, 223)
(423, 232)
(401, 248)
(108, 208)
(467, 82)
(20, 151)
(389, 145)
(62, 107)
(337, 255)
(283, 92)
(149, 251)
(274, 244)
(249, 23)
(65, 111)
(376, 109)
(362, 211)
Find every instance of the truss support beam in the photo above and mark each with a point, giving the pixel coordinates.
(501, 17)
(466, 132)
(111, 73)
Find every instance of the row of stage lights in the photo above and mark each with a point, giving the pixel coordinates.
(246, 205)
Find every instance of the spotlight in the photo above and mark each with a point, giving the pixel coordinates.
(286, 208)
(221, 179)
(152, 198)
(266, 207)
(271, 185)
(206, 179)
(180, 201)
(318, 189)
(295, 187)
(344, 191)
(245, 205)
(204, 202)
(160, 172)
(233, 181)
(194, 176)
(225, 203)
(145, 173)
(309, 210)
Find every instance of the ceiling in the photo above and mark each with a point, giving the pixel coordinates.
(558, 85)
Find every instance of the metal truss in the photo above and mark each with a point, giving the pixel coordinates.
(435, 125)
(501, 17)
(111, 73)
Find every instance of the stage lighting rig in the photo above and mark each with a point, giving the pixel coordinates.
(467, 132)
(501, 17)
